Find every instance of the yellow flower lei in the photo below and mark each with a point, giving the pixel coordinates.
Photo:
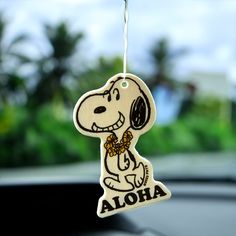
(114, 148)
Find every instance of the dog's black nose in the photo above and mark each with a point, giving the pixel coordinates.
(100, 109)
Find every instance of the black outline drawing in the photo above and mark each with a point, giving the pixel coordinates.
(139, 117)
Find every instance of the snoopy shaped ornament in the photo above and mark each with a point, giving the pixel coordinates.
(118, 113)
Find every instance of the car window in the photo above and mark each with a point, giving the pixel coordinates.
(52, 53)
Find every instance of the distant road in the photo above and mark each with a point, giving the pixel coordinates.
(206, 164)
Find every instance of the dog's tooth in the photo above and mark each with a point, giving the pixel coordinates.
(115, 126)
(93, 127)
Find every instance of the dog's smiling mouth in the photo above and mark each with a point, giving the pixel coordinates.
(115, 126)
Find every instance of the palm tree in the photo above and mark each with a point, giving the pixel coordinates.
(96, 76)
(163, 58)
(12, 85)
(54, 69)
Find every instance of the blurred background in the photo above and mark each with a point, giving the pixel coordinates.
(53, 51)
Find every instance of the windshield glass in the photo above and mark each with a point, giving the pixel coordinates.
(52, 52)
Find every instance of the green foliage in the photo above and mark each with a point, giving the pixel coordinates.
(163, 56)
(190, 134)
(12, 85)
(63, 42)
(212, 134)
(96, 76)
(207, 106)
(13, 122)
(168, 139)
(42, 138)
(36, 125)
(54, 71)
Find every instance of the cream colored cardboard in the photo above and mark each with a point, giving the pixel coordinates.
(118, 115)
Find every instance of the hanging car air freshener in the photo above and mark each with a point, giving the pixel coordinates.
(118, 113)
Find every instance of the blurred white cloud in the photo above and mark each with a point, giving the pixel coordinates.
(205, 27)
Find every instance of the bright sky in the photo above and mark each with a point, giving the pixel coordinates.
(207, 28)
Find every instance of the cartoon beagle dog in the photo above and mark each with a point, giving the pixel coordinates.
(118, 114)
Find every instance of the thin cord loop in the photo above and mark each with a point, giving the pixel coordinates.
(126, 18)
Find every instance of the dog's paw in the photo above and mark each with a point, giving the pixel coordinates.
(117, 185)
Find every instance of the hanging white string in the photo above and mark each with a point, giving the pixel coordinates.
(125, 35)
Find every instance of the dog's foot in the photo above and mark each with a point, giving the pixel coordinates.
(117, 185)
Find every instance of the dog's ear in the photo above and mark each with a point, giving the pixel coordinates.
(139, 113)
